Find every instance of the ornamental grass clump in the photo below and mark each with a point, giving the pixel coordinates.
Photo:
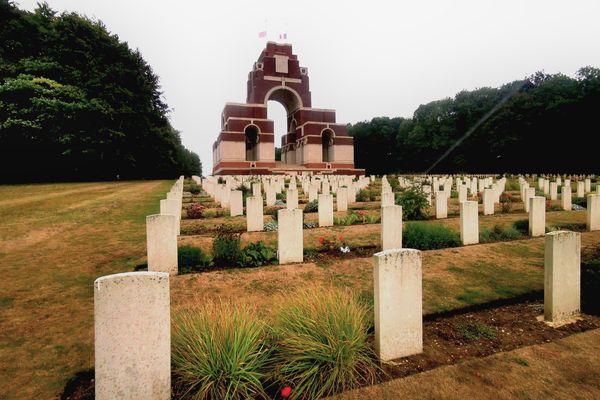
(322, 346)
(220, 351)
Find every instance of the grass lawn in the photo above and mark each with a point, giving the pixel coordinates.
(55, 240)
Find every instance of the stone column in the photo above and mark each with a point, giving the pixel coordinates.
(270, 197)
(254, 214)
(537, 216)
(565, 198)
(291, 199)
(290, 241)
(580, 189)
(593, 212)
(588, 185)
(313, 192)
(387, 199)
(553, 191)
(529, 194)
(132, 331)
(325, 210)
(469, 222)
(488, 202)
(161, 243)
(342, 199)
(236, 203)
(398, 303)
(256, 191)
(441, 205)
(462, 193)
(225, 197)
(562, 264)
(391, 227)
(352, 194)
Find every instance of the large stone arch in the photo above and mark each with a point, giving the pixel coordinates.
(277, 76)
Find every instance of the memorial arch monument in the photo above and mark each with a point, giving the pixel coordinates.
(314, 141)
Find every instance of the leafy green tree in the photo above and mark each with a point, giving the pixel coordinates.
(76, 103)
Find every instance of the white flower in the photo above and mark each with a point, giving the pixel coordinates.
(345, 249)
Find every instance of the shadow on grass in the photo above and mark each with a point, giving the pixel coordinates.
(80, 386)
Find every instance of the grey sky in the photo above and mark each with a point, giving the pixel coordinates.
(364, 58)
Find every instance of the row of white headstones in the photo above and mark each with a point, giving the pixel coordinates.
(132, 310)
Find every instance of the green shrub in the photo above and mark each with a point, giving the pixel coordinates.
(522, 226)
(499, 233)
(372, 219)
(363, 195)
(210, 214)
(220, 351)
(312, 206)
(192, 187)
(512, 185)
(226, 248)
(506, 200)
(414, 203)
(425, 236)
(349, 219)
(257, 254)
(322, 343)
(190, 258)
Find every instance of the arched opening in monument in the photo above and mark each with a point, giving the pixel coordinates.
(282, 102)
(277, 113)
(327, 145)
(251, 133)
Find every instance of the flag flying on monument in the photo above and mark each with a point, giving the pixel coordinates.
(262, 34)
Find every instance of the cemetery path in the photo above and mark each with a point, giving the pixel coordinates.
(564, 369)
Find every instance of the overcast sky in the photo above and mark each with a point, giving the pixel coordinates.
(365, 58)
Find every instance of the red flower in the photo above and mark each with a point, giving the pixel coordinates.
(321, 240)
(286, 391)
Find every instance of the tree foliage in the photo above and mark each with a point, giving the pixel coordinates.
(541, 124)
(76, 103)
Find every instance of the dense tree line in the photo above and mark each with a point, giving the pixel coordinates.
(76, 103)
(545, 123)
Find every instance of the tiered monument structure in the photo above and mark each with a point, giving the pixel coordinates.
(314, 142)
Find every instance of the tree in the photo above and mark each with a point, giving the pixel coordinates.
(79, 104)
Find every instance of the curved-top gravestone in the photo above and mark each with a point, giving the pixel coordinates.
(314, 141)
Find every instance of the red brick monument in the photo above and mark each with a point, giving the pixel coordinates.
(314, 142)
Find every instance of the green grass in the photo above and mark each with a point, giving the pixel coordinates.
(58, 238)
(6, 301)
(521, 361)
(220, 352)
(473, 331)
(471, 296)
(322, 343)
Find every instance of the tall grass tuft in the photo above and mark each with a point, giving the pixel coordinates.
(322, 343)
(220, 351)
